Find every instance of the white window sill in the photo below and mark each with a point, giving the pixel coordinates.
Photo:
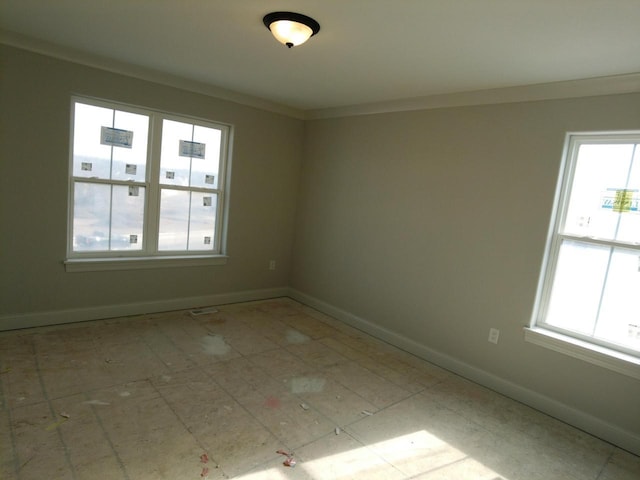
(604, 357)
(136, 263)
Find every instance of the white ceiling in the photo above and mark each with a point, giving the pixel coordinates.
(366, 51)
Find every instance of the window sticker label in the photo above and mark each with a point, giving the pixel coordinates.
(209, 179)
(206, 201)
(207, 240)
(191, 149)
(86, 166)
(116, 137)
(620, 200)
(134, 190)
(131, 169)
(584, 221)
(133, 238)
(171, 175)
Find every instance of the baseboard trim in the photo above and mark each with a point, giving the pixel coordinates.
(56, 317)
(584, 421)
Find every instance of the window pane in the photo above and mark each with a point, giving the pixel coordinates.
(91, 217)
(130, 163)
(174, 220)
(93, 159)
(187, 220)
(619, 319)
(204, 172)
(96, 205)
(601, 171)
(203, 221)
(90, 157)
(629, 228)
(576, 287)
(174, 169)
(127, 217)
(190, 155)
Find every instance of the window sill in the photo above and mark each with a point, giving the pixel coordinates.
(136, 263)
(595, 354)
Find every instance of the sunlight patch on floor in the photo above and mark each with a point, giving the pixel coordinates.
(418, 453)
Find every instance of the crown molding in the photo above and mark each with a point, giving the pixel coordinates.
(114, 66)
(590, 87)
(609, 85)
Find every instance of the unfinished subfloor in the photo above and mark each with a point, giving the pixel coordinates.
(176, 396)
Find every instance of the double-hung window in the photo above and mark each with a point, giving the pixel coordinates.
(589, 292)
(146, 188)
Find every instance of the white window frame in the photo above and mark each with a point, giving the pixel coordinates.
(571, 343)
(150, 256)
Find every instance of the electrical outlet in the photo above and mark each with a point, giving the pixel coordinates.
(494, 334)
(272, 265)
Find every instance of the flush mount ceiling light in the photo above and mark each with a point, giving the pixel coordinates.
(291, 29)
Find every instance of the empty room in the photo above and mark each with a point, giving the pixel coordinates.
(338, 239)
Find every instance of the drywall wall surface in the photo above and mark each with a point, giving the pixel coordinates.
(432, 224)
(35, 96)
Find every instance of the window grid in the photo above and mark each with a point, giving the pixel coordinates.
(562, 236)
(151, 187)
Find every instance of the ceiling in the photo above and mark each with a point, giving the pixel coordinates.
(367, 51)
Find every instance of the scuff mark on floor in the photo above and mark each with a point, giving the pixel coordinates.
(307, 385)
(295, 337)
(96, 402)
(214, 345)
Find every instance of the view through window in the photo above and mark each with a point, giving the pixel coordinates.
(591, 287)
(145, 183)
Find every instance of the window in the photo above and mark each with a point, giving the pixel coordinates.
(146, 188)
(590, 286)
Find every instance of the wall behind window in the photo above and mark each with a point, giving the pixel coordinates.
(432, 224)
(34, 112)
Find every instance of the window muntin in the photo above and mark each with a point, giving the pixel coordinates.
(591, 287)
(123, 173)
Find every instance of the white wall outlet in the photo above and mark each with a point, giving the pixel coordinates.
(272, 264)
(494, 334)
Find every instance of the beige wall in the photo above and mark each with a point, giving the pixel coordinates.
(432, 224)
(34, 133)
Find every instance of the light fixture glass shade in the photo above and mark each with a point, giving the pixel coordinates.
(291, 28)
(290, 33)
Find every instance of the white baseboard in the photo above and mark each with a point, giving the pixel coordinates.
(56, 317)
(611, 433)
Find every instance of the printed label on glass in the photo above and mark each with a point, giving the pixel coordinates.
(207, 240)
(209, 179)
(131, 169)
(171, 175)
(116, 137)
(134, 190)
(133, 238)
(206, 201)
(191, 149)
(620, 200)
(86, 166)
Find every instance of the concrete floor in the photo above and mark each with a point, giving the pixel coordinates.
(173, 396)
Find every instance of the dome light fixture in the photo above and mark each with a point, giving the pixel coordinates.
(291, 29)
